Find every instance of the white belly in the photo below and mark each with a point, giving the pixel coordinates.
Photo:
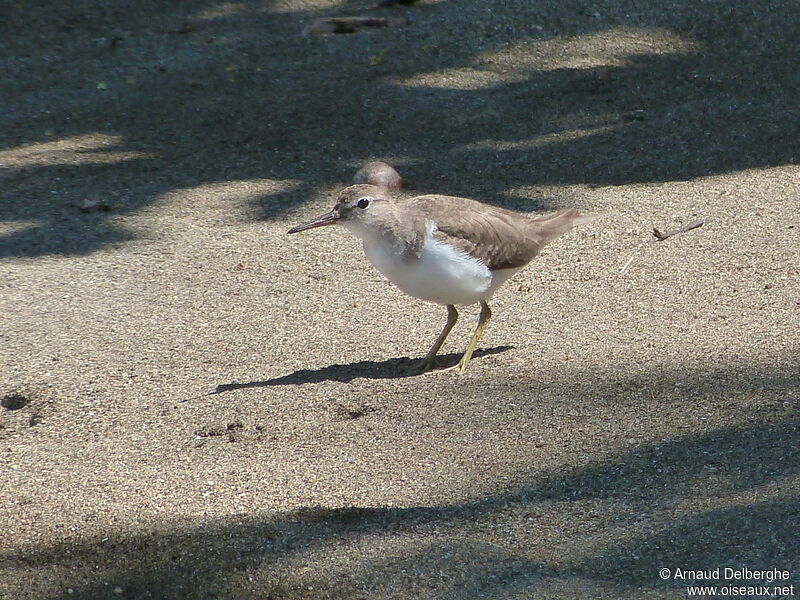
(441, 274)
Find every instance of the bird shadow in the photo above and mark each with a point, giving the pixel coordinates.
(393, 368)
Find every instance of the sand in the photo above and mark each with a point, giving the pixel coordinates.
(196, 405)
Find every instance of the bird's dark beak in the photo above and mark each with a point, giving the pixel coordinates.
(329, 218)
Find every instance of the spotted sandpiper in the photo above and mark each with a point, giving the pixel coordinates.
(444, 249)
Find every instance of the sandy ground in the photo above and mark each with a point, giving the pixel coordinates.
(195, 405)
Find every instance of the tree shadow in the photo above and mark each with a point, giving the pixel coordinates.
(725, 497)
(232, 557)
(650, 94)
(755, 535)
(726, 461)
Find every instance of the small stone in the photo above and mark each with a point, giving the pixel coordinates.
(89, 205)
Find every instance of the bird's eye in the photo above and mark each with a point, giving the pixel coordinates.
(363, 203)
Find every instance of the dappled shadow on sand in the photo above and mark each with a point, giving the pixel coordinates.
(194, 94)
(424, 551)
(392, 368)
(726, 496)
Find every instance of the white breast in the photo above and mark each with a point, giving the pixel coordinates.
(441, 274)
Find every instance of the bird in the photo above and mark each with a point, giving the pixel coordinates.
(444, 249)
(380, 174)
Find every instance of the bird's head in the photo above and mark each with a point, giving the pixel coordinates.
(358, 207)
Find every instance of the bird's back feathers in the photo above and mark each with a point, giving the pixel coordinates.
(501, 238)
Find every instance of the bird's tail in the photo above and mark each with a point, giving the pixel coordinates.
(549, 227)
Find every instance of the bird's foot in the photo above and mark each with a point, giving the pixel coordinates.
(427, 365)
(459, 367)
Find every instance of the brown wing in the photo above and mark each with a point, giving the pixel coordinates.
(501, 238)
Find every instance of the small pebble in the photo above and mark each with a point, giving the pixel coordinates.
(89, 205)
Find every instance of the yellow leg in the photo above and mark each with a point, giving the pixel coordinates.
(430, 358)
(483, 321)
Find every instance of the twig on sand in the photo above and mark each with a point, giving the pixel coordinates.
(660, 237)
